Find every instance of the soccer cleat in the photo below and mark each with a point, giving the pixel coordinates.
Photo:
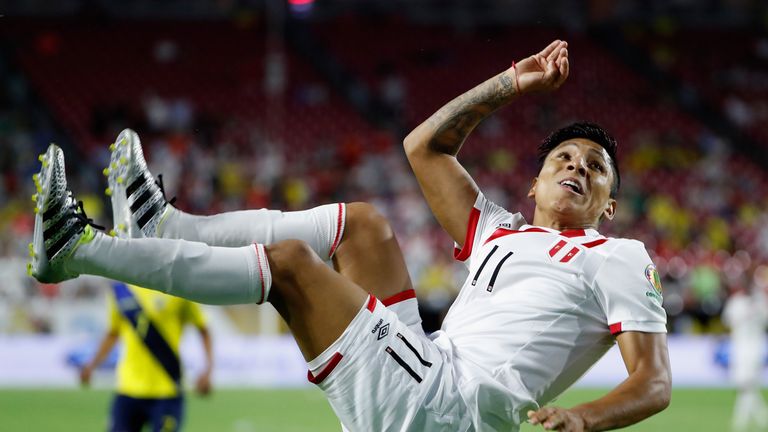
(60, 222)
(138, 201)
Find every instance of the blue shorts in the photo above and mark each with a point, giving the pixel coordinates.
(131, 414)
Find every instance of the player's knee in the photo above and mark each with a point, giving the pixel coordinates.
(364, 222)
(290, 257)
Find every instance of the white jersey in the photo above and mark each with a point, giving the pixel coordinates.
(747, 316)
(539, 308)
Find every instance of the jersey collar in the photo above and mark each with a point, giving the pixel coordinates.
(587, 232)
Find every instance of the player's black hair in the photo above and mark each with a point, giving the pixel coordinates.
(586, 130)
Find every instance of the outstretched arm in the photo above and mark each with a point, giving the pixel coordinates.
(203, 384)
(105, 347)
(432, 147)
(645, 392)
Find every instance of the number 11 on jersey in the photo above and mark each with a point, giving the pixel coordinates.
(496, 270)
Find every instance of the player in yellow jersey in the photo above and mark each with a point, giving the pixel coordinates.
(149, 385)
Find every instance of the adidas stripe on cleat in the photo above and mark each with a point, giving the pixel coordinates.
(60, 222)
(138, 201)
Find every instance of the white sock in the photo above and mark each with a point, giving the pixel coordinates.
(740, 419)
(192, 270)
(756, 410)
(320, 227)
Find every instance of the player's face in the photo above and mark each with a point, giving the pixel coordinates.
(574, 185)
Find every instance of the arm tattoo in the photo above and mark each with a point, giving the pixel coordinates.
(453, 122)
(507, 84)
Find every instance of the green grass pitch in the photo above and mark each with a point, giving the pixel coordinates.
(702, 410)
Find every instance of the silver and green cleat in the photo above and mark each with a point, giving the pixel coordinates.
(138, 201)
(60, 222)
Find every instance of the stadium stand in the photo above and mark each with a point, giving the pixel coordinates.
(234, 119)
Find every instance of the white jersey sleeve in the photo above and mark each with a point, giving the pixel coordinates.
(628, 287)
(484, 218)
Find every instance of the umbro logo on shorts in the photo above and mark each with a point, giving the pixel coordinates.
(382, 329)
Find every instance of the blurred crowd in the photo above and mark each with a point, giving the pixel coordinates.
(696, 203)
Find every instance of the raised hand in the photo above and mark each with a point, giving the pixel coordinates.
(545, 71)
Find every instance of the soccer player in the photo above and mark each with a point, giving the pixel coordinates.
(149, 372)
(746, 313)
(541, 304)
(544, 301)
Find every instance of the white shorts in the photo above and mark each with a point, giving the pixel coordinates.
(382, 376)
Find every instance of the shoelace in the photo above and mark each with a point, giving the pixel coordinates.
(82, 217)
(159, 183)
